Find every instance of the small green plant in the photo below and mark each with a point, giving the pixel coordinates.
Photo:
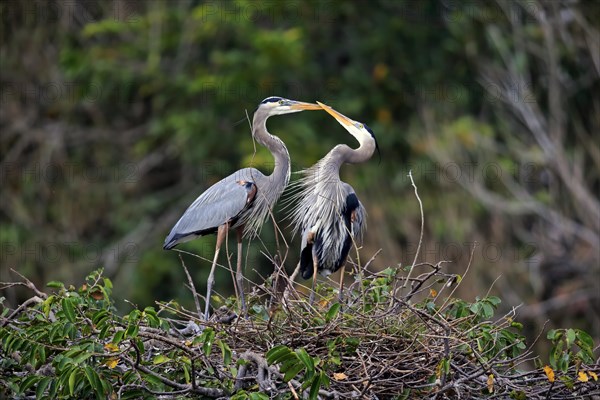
(294, 362)
(570, 347)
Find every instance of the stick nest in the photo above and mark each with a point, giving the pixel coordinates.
(388, 338)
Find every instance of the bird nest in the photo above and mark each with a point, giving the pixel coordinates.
(389, 337)
(395, 334)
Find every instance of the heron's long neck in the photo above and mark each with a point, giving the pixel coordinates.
(342, 153)
(281, 171)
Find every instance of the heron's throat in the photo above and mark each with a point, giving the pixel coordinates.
(281, 168)
(363, 153)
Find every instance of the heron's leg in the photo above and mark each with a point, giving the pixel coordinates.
(239, 277)
(294, 274)
(221, 233)
(341, 293)
(315, 271)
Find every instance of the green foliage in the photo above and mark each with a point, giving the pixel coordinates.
(73, 339)
(72, 344)
(570, 347)
(298, 362)
(62, 340)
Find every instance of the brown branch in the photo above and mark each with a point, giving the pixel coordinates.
(193, 289)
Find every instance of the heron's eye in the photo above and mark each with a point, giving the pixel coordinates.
(360, 126)
(281, 102)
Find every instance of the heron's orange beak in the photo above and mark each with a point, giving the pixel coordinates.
(342, 119)
(304, 106)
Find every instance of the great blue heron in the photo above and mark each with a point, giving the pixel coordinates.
(328, 212)
(242, 200)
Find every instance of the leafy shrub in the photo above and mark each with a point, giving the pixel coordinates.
(72, 344)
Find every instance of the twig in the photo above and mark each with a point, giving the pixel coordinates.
(209, 392)
(27, 283)
(449, 297)
(18, 310)
(420, 235)
(193, 289)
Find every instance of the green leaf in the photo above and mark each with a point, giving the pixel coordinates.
(53, 389)
(28, 382)
(47, 305)
(554, 334)
(293, 371)
(118, 336)
(68, 310)
(132, 331)
(99, 317)
(159, 359)
(333, 311)
(95, 382)
(154, 381)
(563, 362)
(475, 307)
(570, 337)
(140, 345)
(70, 330)
(186, 373)
(488, 311)
(41, 387)
(351, 345)
(208, 341)
(516, 325)
(55, 284)
(277, 353)
(225, 351)
(291, 357)
(306, 359)
(567, 381)
(106, 387)
(152, 317)
(493, 300)
(84, 355)
(314, 388)
(585, 339)
(72, 381)
(104, 332)
(290, 363)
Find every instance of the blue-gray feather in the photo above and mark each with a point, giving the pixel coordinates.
(227, 201)
(322, 211)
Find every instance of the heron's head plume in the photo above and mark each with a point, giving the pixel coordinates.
(375, 139)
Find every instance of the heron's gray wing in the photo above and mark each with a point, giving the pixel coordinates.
(222, 202)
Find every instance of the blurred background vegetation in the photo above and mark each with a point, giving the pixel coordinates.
(116, 115)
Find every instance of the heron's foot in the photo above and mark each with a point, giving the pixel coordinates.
(243, 307)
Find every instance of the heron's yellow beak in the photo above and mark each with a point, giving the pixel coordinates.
(304, 106)
(342, 119)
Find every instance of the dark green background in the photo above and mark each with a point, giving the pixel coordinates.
(116, 115)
